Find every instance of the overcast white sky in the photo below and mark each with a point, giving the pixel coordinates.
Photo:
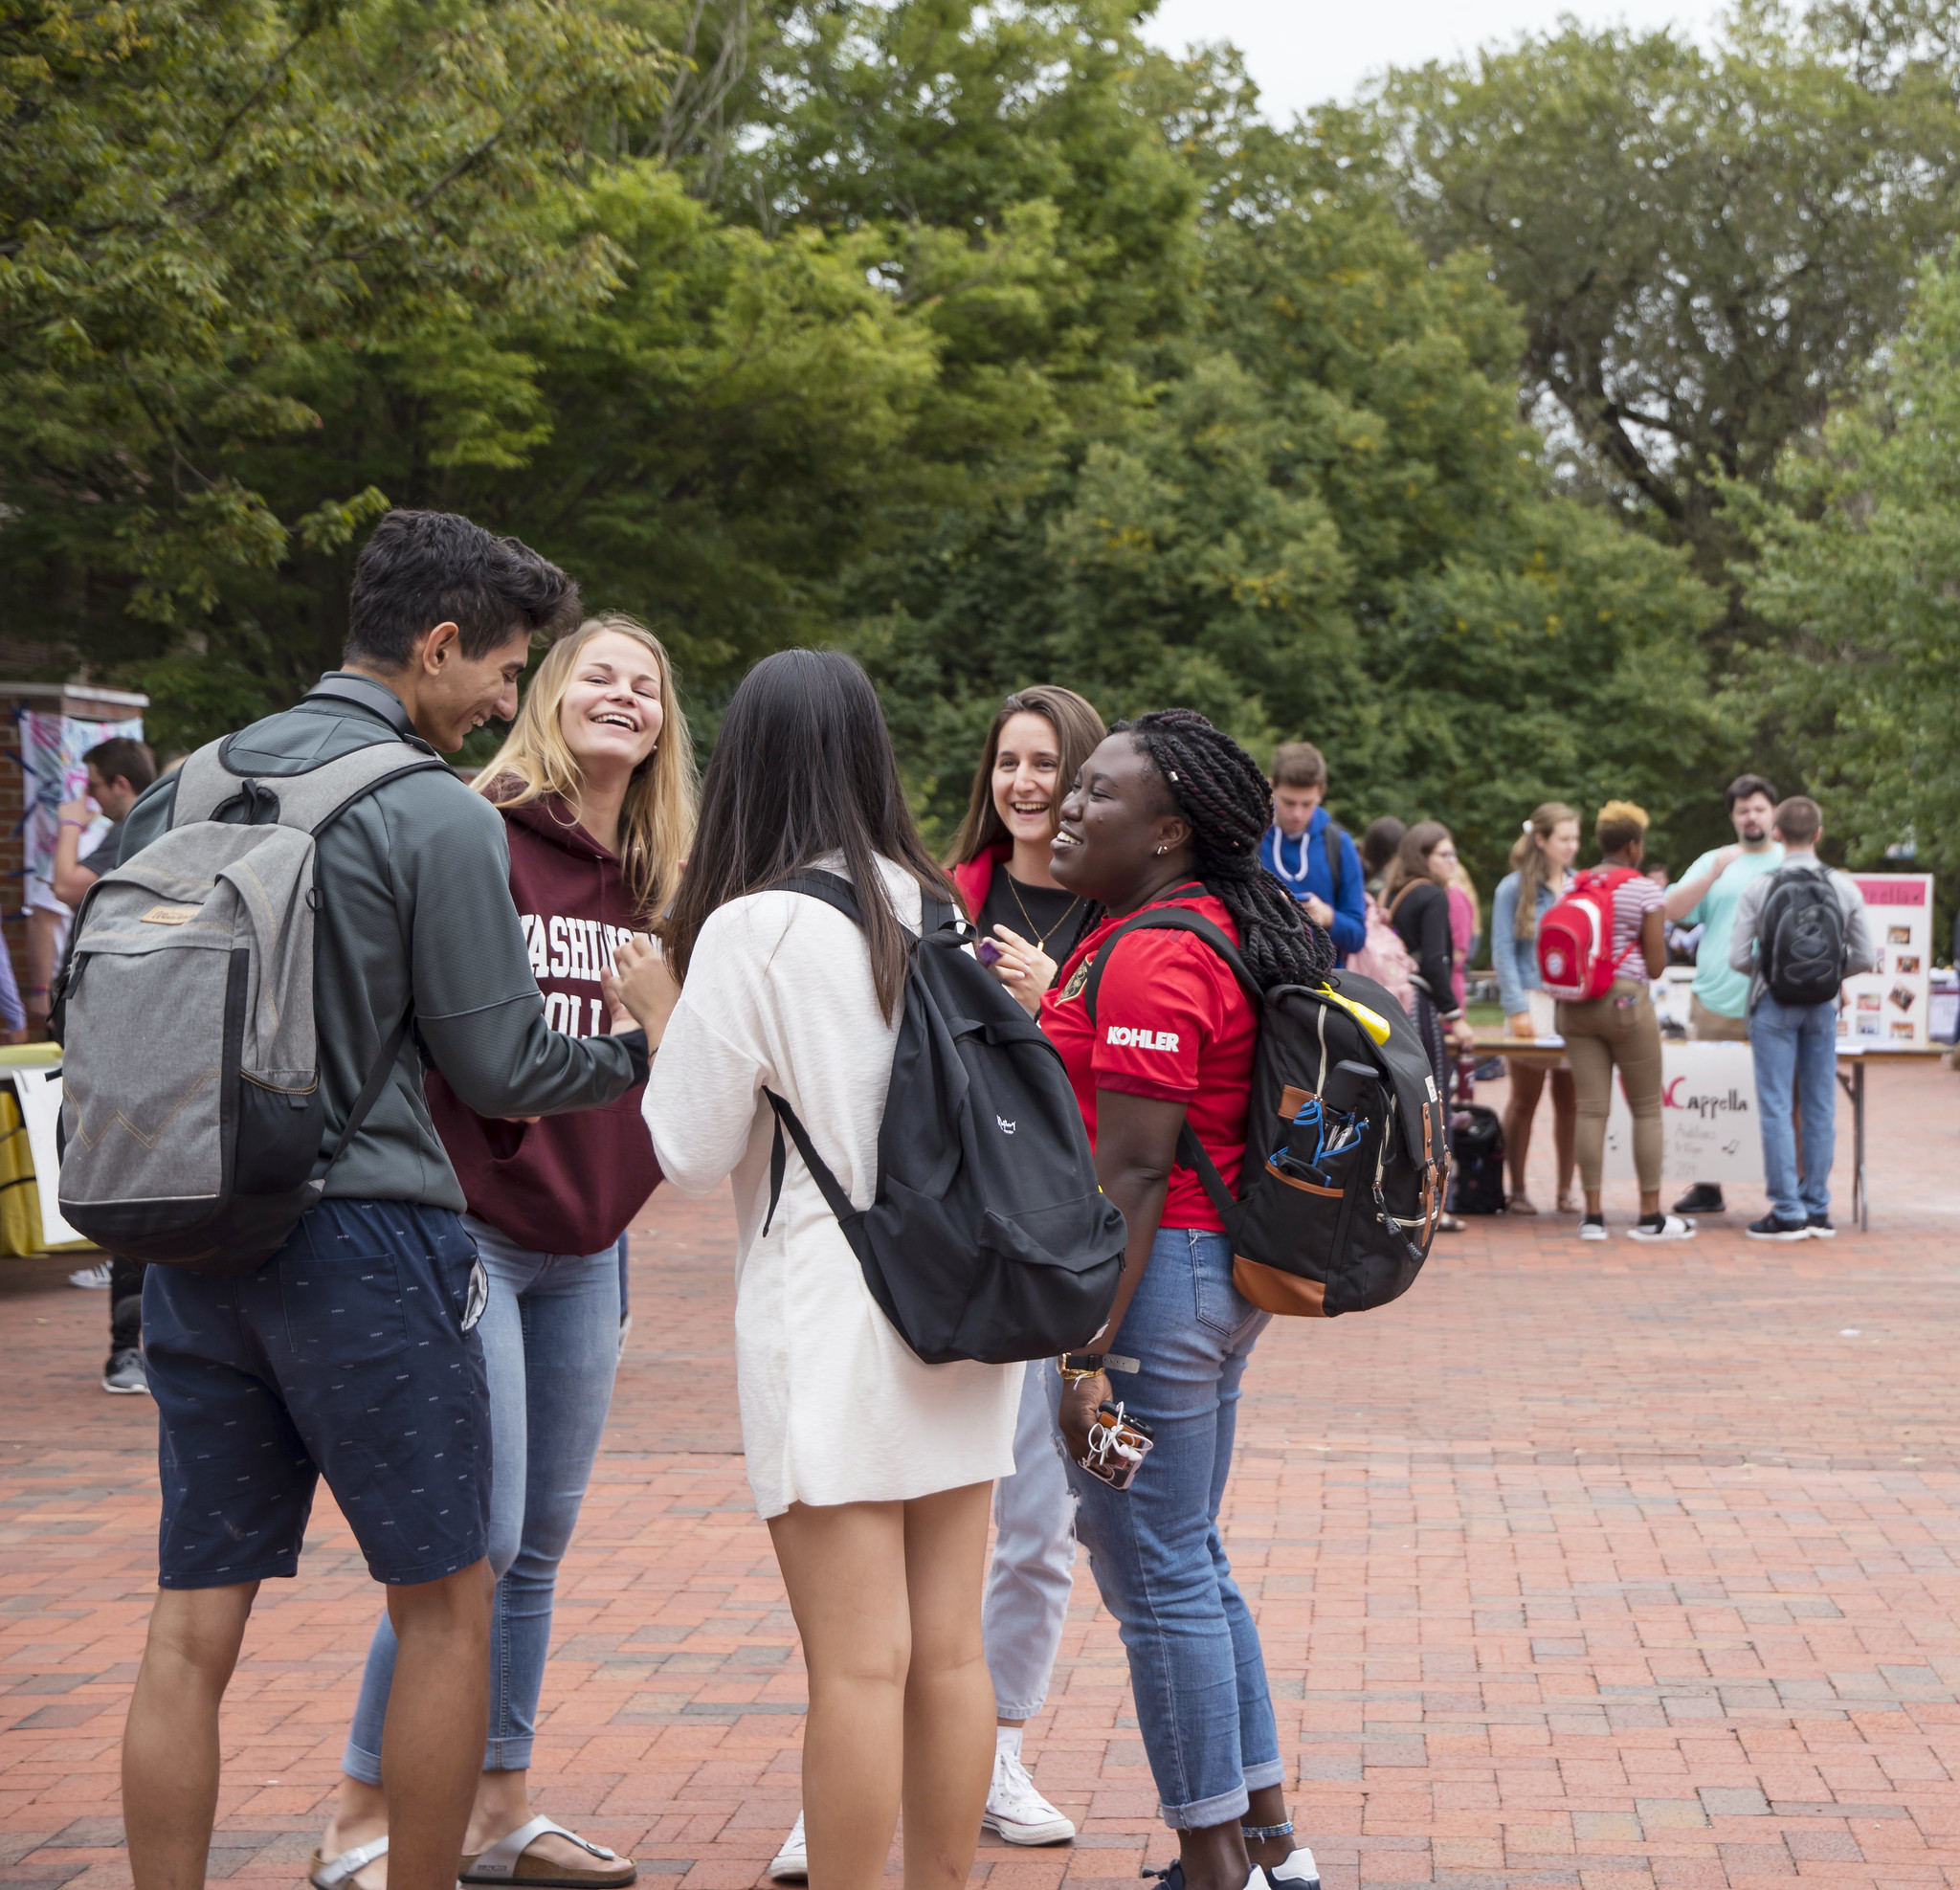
(1305, 52)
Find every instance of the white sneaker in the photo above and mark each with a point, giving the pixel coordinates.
(1591, 1229)
(791, 1863)
(1299, 1872)
(1015, 1811)
(92, 1279)
(1673, 1227)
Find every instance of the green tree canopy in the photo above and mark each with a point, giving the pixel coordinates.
(189, 194)
(1705, 246)
(1860, 566)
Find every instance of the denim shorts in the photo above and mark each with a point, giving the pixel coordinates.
(350, 1354)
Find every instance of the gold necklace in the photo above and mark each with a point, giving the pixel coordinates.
(1028, 919)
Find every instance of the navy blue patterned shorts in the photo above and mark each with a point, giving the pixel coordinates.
(350, 1354)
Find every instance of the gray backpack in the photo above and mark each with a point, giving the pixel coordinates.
(192, 1116)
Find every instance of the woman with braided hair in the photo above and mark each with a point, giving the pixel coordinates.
(1168, 813)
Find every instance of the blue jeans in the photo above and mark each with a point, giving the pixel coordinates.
(1194, 1661)
(1796, 1046)
(550, 1336)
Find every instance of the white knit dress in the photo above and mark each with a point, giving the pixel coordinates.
(835, 1408)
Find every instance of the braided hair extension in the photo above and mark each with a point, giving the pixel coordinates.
(1220, 791)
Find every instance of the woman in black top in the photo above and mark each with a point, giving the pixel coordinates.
(1040, 737)
(1419, 900)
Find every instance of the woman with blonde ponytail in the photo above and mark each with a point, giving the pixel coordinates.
(596, 787)
(1540, 860)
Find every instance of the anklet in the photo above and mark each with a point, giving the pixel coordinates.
(1260, 1832)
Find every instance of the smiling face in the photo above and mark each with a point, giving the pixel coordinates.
(1114, 820)
(611, 713)
(1027, 783)
(456, 694)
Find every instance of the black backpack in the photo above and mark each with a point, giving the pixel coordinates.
(1800, 943)
(1476, 1161)
(990, 1238)
(1347, 1151)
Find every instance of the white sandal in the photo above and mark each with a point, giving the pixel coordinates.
(503, 1862)
(336, 1872)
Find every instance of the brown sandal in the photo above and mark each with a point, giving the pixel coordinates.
(1519, 1204)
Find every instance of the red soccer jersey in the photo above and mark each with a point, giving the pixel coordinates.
(1171, 1023)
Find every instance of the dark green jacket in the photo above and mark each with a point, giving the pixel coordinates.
(415, 886)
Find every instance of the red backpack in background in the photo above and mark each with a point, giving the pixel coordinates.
(1575, 959)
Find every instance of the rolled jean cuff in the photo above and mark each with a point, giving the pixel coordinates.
(507, 1755)
(1227, 1808)
(358, 1763)
(1272, 1772)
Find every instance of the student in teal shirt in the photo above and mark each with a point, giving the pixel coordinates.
(1707, 896)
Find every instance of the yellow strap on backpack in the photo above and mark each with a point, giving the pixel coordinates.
(1370, 1021)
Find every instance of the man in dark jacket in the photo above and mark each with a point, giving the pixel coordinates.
(351, 1354)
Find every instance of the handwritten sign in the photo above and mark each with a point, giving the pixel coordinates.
(1708, 1116)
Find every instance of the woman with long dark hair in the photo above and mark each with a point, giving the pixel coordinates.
(1169, 811)
(1418, 907)
(871, 1469)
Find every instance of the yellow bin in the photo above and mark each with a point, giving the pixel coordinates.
(20, 1200)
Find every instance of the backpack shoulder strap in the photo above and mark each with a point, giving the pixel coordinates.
(935, 914)
(831, 888)
(1154, 919)
(312, 800)
(1191, 1151)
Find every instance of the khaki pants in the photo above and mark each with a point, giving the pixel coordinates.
(1706, 1026)
(1616, 1030)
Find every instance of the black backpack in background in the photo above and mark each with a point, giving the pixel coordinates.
(1801, 941)
(1476, 1161)
(991, 1237)
(1346, 1149)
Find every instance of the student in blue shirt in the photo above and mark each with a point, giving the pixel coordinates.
(1297, 845)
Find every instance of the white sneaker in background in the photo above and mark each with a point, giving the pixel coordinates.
(1016, 1813)
(791, 1863)
(91, 1279)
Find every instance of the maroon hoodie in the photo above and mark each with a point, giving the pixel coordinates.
(565, 1184)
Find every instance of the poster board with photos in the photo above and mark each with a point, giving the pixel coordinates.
(1888, 1009)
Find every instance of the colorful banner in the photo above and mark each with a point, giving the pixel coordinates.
(51, 750)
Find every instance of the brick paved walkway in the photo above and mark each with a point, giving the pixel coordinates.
(1606, 1567)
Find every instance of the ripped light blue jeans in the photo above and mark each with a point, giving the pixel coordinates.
(550, 1333)
(1194, 1661)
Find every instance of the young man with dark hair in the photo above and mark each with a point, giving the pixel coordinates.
(119, 770)
(351, 1354)
(1315, 860)
(1777, 931)
(1706, 896)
